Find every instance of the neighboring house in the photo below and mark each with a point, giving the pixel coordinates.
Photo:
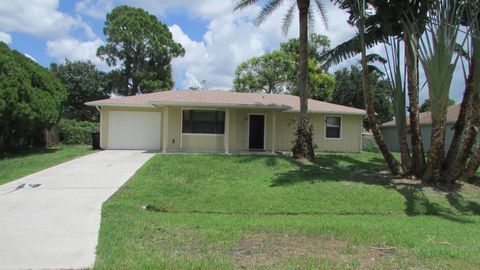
(389, 129)
(222, 121)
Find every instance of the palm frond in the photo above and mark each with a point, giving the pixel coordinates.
(351, 47)
(323, 14)
(244, 3)
(267, 10)
(373, 57)
(373, 68)
(288, 19)
(436, 48)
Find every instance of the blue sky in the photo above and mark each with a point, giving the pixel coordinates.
(215, 38)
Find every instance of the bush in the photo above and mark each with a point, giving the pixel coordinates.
(77, 132)
(369, 144)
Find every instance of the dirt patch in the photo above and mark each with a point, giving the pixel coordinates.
(270, 251)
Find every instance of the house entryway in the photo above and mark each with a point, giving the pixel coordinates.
(256, 132)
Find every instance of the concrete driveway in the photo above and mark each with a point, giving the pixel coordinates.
(55, 225)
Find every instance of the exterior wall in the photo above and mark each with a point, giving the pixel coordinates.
(285, 125)
(350, 130)
(391, 137)
(239, 128)
(174, 139)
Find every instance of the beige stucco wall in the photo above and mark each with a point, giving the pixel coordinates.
(350, 140)
(238, 131)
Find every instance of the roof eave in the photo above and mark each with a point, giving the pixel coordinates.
(111, 104)
(219, 105)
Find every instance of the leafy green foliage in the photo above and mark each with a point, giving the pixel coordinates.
(144, 48)
(369, 145)
(30, 99)
(83, 83)
(425, 107)
(348, 91)
(267, 73)
(77, 132)
(277, 71)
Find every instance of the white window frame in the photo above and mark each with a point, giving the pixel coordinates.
(200, 134)
(264, 132)
(325, 127)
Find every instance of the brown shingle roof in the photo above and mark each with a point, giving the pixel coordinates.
(426, 117)
(220, 98)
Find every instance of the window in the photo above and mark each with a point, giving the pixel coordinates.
(332, 127)
(203, 121)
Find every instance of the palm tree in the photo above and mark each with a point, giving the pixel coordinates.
(473, 165)
(356, 9)
(437, 57)
(304, 147)
(387, 21)
(468, 123)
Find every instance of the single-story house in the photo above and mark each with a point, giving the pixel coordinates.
(222, 121)
(389, 129)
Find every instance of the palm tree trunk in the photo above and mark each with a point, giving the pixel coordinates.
(461, 123)
(473, 166)
(411, 60)
(455, 170)
(367, 95)
(437, 148)
(404, 149)
(304, 143)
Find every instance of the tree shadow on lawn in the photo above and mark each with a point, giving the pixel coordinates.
(340, 168)
(27, 151)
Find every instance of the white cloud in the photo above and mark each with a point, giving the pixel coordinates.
(232, 38)
(30, 57)
(204, 9)
(40, 18)
(5, 37)
(76, 50)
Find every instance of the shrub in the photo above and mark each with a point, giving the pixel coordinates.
(369, 144)
(76, 132)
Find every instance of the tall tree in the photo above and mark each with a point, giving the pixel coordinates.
(303, 146)
(393, 71)
(267, 73)
(468, 123)
(348, 93)
(358, 18)
(277, 71)
(30, 99)
(386, 21)
(84, 82)
(142, 46)
(438, 61)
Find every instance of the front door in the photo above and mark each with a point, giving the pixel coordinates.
(256, 132)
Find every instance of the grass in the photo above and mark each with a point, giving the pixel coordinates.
(264, 212)
(31, 160)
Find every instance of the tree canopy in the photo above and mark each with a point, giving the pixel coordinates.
(30, 98)
(348, 91)
(83, 83)
(277, 71)
(425, 107)
(142, 46)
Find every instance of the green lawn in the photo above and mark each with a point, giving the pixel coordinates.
(30, 160)
(265, 212)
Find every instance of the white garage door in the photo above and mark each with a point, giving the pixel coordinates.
(134, 130)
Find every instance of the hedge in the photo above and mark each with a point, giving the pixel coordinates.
(77, 132)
